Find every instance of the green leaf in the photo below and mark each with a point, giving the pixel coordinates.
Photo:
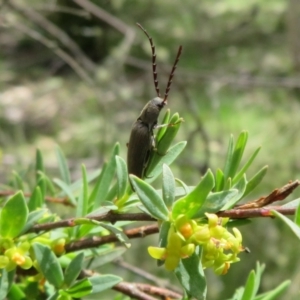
(150, 198)
(103, 282)
(249, 291)
(33, 218)
(297, 216)
(80, 288)
(18, 181)
(6, 281)
(16, 293)
(49, 264)
(113, 192)
(238, 154)
(259, 271)
(191, 276)
(275, 293)
(104, 180)
(63, 166)
(43, 185)
(186, 189)
(82, 203)
(122, 176)
(255, 180)
(39, 164)
(238, 294)
(215, 201)
(13, 216)
(243, 170)
(66, 189)
(294, 227)
(292, 204)
(162, 130)
(169, 135)
(163, 238)
(219, 180)
(229, 155)
(122, 237)
(168, 188)
(241, 187)
(105, 257)
(190, 204)
(36, 200)
(167, 159)
(73, 269)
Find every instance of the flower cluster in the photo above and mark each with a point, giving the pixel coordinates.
(220, 247)
(16, 256)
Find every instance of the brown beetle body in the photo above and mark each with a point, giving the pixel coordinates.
(141, 137)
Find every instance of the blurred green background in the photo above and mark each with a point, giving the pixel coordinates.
(77, 73)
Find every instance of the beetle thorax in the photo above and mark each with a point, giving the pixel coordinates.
(150, 112)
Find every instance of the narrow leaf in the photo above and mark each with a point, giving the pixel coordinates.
(105, 257)
(18, 181)
(48, 264)
(219, 180)
(229, 155)
(122, 176)
(167, 159)
(241, 187)
(243, 170)
(163, 238)
(162, 130)
(169, 135)
(237, 154)
(103, 282)
(215, 201)
(275, 293)
(80, 288)
(150, 198)
(39, 164)
(73, 269)
(66, 189)
(82, 203)
(294, 227)
(249, 287)
(191, 276)
(255, 180)
(190, 204)
(103, 183)
(6, 281)
(122, 237)
(63, 166)
(33, 218)
(168, 188)
(36, 200)
(297, 216)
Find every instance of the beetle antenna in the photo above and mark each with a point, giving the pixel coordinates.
(172, 74)
(153, 60)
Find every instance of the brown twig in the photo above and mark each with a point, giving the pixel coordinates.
(60, 200)
(256, 212)
(97, 241)
(148, 276)
(108, 217)
(158, 291)
(139, 291)
(276, 195)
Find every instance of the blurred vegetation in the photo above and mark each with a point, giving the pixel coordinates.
(78, 77)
